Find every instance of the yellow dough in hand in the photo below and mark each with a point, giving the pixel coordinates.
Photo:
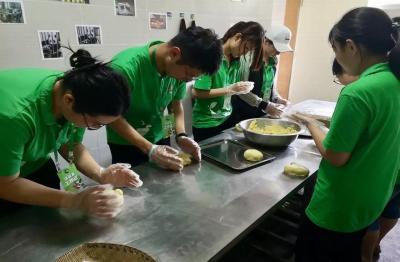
(253, 155)
(186, 158)
(119, 192)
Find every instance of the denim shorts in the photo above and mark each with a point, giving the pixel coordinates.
(392, 209)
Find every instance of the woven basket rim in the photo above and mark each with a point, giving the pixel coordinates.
(100, 245)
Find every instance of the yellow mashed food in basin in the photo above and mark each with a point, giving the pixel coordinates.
(274, 129)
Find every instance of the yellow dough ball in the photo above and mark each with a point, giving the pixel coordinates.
(186, 158)
(238, 128)
(119, 192)
(296, 170)
(253, 155)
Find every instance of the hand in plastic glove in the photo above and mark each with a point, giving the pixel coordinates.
(303, 119)
(282, 101)
(240, 88)
(165, 157)
(96, 201)
(274, 110)
(119, 175)
(189, 146)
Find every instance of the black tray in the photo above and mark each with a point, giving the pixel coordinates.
(230, 154)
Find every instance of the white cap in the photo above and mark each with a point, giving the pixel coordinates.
(280, 35)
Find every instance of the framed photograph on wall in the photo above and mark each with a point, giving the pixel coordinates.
(125, 7)
(12, 12)
(50, 44)
(88, 34)
(158, 21)
(75, 1)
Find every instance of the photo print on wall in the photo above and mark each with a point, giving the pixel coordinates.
(88, 34)
(12, 12)
(125, 7)
(50, 44)
(75, 1)
(158, 21)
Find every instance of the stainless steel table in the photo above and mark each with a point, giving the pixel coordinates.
(190, 216)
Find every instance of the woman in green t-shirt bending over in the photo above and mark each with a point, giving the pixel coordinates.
(46, 111)
(212, 93)
(361, 151)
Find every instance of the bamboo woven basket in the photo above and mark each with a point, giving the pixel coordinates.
(105, 252)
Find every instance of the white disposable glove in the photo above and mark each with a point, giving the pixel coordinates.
(274, 110)
(239, 88)
(282, 101)
(119, 175)
(165, 157)
(189, 146)
(98, 201)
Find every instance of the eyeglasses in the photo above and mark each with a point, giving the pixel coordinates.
(337, 81)
(97, 126)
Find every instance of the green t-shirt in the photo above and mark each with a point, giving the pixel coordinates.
(28, 130)
(268, 78)
(212, 112)
(366, 123)
(151, 93)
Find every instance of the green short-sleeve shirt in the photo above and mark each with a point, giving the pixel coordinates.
(366, 123)
(268, 78)
(212, 112)
(28, 130)
(151, 93)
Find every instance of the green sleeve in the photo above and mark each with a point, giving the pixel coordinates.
(77, 136)
(181, 92)
(203, 83)
(13, 138)
(348, 123)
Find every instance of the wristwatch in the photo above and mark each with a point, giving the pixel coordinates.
(179, 135)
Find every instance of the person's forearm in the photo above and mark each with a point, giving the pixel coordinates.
(126, 131)
(86, 164)
(27, 192)
(197, 93)
(251, 99)
(318, 135)
(179, 117)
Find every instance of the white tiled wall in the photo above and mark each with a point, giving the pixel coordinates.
(19, 44)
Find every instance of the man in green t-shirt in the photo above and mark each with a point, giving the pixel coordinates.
(156, 74)
(46, 111)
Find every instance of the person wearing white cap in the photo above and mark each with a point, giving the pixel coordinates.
(264, 98)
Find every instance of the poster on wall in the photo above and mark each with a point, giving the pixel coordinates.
(12, 12)
(74, 1)
(158, 21)
(125, 7)
(88, 34)
(50, 44)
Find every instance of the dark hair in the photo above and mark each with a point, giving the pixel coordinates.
(337, 69)
(250, 31)
(200, 48)
(96, 87)
(372, 29)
